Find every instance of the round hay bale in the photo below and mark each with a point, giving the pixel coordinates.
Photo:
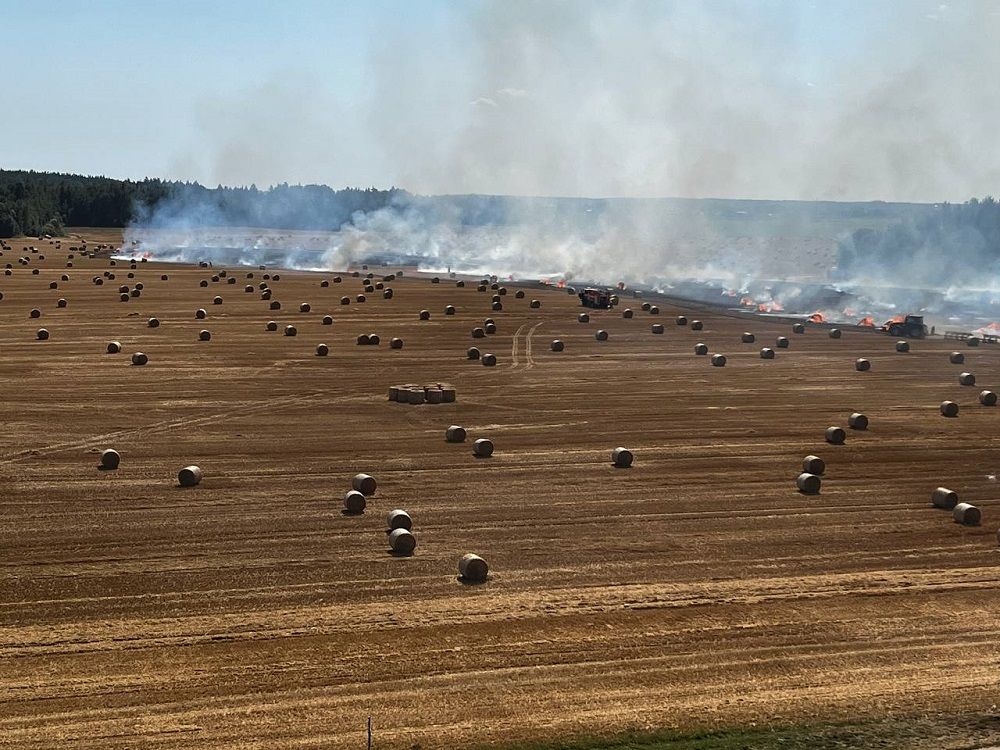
(654, 310)
(862, 365)
(272, 325)
(153, 323)
(35, 313)
(42, 334)
(808, 484)
(60, 303)
(767, 353)
(373, 339)
(627, 314)
(502, 291)
(200, 314)
(276, 277)
(987, 398)
(217, 301)
(481, 288)
(697, 325)
(967, 378)
(718, 360)
(365, 484)
(139, 359)
(700, 348)
(798, 328)
(398, 519)
(114, 347)
(835, 435)
(491, 328)
(956, 358)
(345, 300)
(387, 294)
(433, 394)
(204, 335)
(231, 280)
(203, 283)
(682, 320)
(415, 396)
(354, 502)
(460, 283)
(53, 285)
(813, 465)
(472, 353)
(519, 294)
(622, 458)
(363, 339)
(425, 315)
(189, 476)
(449, 309)
(557, 345)
(304, 307)
(473, 569)
(535, 304)
(360, 298)
(290, 331)
(781, 342)
(902, 346)
(402, 542)
(583, 318)
(966, 514)
(944, 498)
(482, 448)
(337, 280)
(601, 335)
(327, 320)
(478, 333)
(496, 298)
(657, 328)
(455, 434)
(448, 393)
(110, 459)
(215, 279)
(646, 306)
(747, 337)
(322, 350)
(489, 360)
(949, 409)
(324, 283)
(489, 321)
(972, 341)
(135, 293)
(395, 343)
(436, 280)
(835, 333)
(64, 277)
(857, 421)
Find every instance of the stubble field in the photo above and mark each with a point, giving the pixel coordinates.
(698, 588)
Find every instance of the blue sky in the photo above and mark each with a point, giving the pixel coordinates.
(527, 97)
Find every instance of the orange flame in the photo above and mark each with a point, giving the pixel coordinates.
(868, 322)
(817, 317)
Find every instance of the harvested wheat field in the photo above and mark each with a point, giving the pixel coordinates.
(696, 588)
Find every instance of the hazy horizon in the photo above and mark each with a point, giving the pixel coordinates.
(775, 100)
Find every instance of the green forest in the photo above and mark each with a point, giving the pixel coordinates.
(35, 203)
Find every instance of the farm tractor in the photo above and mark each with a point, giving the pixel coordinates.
(599, 299)
(911, 326)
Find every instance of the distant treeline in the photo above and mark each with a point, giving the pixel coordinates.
(35, 203)
(955, 243)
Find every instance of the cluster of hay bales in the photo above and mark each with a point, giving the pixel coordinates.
(368, 339)
(963, 513)
(433, 393)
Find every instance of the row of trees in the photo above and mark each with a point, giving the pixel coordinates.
(35, 203)
(955, 243)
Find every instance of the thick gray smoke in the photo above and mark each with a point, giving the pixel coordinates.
(893, 101)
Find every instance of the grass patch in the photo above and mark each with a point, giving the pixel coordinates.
(913, 733)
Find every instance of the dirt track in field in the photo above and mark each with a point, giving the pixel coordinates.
(696, 588)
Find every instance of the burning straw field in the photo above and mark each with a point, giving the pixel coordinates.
(697, 588)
